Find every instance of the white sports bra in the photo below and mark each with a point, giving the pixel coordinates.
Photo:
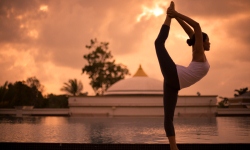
(191, 74)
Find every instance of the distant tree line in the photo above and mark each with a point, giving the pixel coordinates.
(29, 93)
(101, 68)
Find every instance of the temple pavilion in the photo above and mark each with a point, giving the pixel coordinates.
(139, 95)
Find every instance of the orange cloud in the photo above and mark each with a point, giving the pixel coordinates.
(47, 39)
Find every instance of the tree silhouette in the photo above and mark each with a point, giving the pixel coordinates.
(224, 103)
(240, 91)
(29, 93)
(73, 87)
(20, 94)
(3, 92)
(33, 82)
(101, 68)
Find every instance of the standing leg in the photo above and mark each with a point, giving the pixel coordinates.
(171, 82)
(169, 101)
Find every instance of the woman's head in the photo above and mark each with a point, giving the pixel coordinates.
(206, 43)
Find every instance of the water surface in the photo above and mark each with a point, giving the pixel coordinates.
(123, 129)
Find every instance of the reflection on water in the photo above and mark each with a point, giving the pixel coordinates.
(123, 129)
(193, 129)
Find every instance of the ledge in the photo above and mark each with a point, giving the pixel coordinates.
(233, 112)
(82, 146)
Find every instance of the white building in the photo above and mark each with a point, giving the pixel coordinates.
(139, 96)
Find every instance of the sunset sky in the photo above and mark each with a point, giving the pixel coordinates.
(47, 39)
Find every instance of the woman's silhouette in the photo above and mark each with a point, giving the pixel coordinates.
(175, 76)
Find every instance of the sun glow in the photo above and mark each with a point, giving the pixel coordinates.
(44, 8)
(148, 12)
(33, 34)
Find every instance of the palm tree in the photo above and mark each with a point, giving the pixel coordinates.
(240, 91)
(224, 103)
(72, 87)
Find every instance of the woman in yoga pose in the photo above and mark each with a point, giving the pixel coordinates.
(175, 76)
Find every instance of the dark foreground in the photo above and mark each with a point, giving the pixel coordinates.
(81, 146)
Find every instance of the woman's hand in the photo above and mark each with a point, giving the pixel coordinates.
(172, 5)
(171, 13)
(171, 10)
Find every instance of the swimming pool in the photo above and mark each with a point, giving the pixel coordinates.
(147, 130)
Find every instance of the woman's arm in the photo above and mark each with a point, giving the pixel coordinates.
(186, 27)
(198, 46)
(169, 18)
(167, 21)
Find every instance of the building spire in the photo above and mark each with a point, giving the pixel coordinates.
(140, 73)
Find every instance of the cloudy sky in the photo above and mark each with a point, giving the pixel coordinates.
(47, 39)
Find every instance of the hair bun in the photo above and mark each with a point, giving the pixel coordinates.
(189, 42)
